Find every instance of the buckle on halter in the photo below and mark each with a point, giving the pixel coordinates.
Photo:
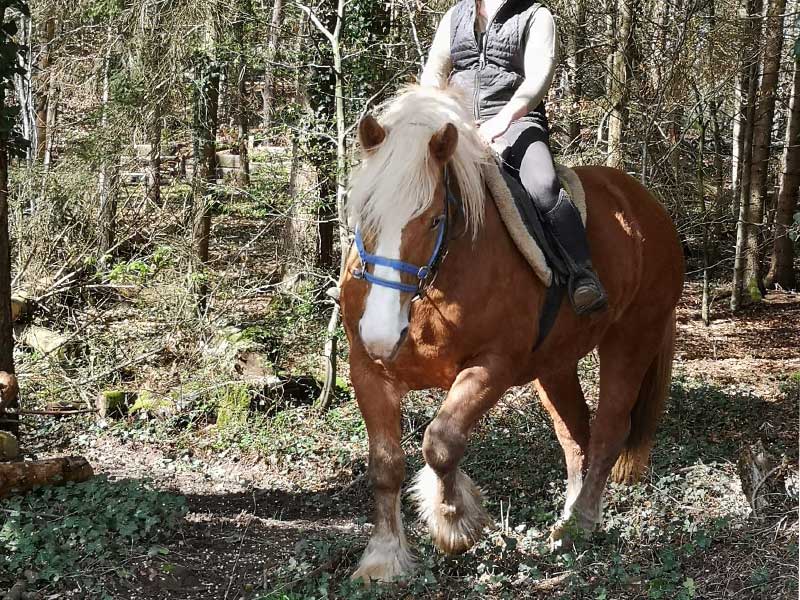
(423, 273)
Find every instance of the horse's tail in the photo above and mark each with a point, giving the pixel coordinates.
(647, 411)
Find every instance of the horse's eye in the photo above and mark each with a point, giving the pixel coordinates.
(435, 222)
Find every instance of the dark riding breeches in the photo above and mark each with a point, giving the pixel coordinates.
(529, 160)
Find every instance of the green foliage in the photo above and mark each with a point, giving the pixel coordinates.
(100, 11)
(54, 532)
(141, 270)
(367, 28)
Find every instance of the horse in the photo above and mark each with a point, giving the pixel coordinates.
(435, 294)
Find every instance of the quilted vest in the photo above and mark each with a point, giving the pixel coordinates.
(492, 72)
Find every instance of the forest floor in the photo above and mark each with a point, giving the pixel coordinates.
(227, 496)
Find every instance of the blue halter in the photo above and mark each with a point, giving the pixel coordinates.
(424, 273)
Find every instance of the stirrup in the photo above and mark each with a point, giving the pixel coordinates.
(588, 280)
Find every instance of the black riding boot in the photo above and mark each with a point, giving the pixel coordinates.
(565, 225)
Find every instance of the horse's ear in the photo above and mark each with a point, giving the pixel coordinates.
(370, 133)
(443, 143)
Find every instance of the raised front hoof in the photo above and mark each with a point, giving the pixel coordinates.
(568, 534)
(385, 561)
(456, 525)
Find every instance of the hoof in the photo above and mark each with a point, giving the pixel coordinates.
(385, 559)
(455, 526)
(566, 534)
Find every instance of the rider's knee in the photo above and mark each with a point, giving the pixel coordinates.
(545, 191)
(443, 446)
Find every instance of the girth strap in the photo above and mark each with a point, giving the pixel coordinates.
(552, 304)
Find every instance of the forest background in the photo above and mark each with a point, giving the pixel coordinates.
(172, 179)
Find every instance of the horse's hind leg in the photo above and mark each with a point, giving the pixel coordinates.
(562, 396)
(386, 556)
(449, 502)
(634, 372)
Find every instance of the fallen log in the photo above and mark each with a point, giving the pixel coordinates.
(22, 476)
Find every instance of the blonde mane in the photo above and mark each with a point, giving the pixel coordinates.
(397, 180)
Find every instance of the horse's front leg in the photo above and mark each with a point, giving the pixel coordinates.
(386, 556)
(448, 501)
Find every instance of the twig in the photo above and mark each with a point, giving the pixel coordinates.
(79, 411)
(324, 401)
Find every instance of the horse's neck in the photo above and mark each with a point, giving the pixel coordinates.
(491, 249)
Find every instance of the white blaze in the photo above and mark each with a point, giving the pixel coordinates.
(384, 318)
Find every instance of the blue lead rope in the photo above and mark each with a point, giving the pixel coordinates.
(421, 273)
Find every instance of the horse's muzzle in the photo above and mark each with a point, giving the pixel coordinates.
(377, 350)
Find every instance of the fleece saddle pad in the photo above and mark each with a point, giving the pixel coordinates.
(523, 221)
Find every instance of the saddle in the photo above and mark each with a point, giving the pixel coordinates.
(526, 225)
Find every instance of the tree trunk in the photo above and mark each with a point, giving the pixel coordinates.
(576, 40)
(108, 177)
(22, 476)
(207, 92)
(154, 132)
(705, 309)
(618, 93)
(269, 65)
(243, 175)
(299, 234)
(51, 116)
(44, 80)
(6, 329)
(719, 181)
(749, 14)
(781, 271)
(662, 22)
(22, 85)
(610, 10)
(321, 94)
(762, 139)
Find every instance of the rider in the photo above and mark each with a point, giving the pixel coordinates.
(503, 53)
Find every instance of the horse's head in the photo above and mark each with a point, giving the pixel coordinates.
(400, 256)
(399, 204)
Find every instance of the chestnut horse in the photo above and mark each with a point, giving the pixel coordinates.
(436, 295)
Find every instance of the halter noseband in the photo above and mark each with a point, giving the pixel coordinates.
(426, 272)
